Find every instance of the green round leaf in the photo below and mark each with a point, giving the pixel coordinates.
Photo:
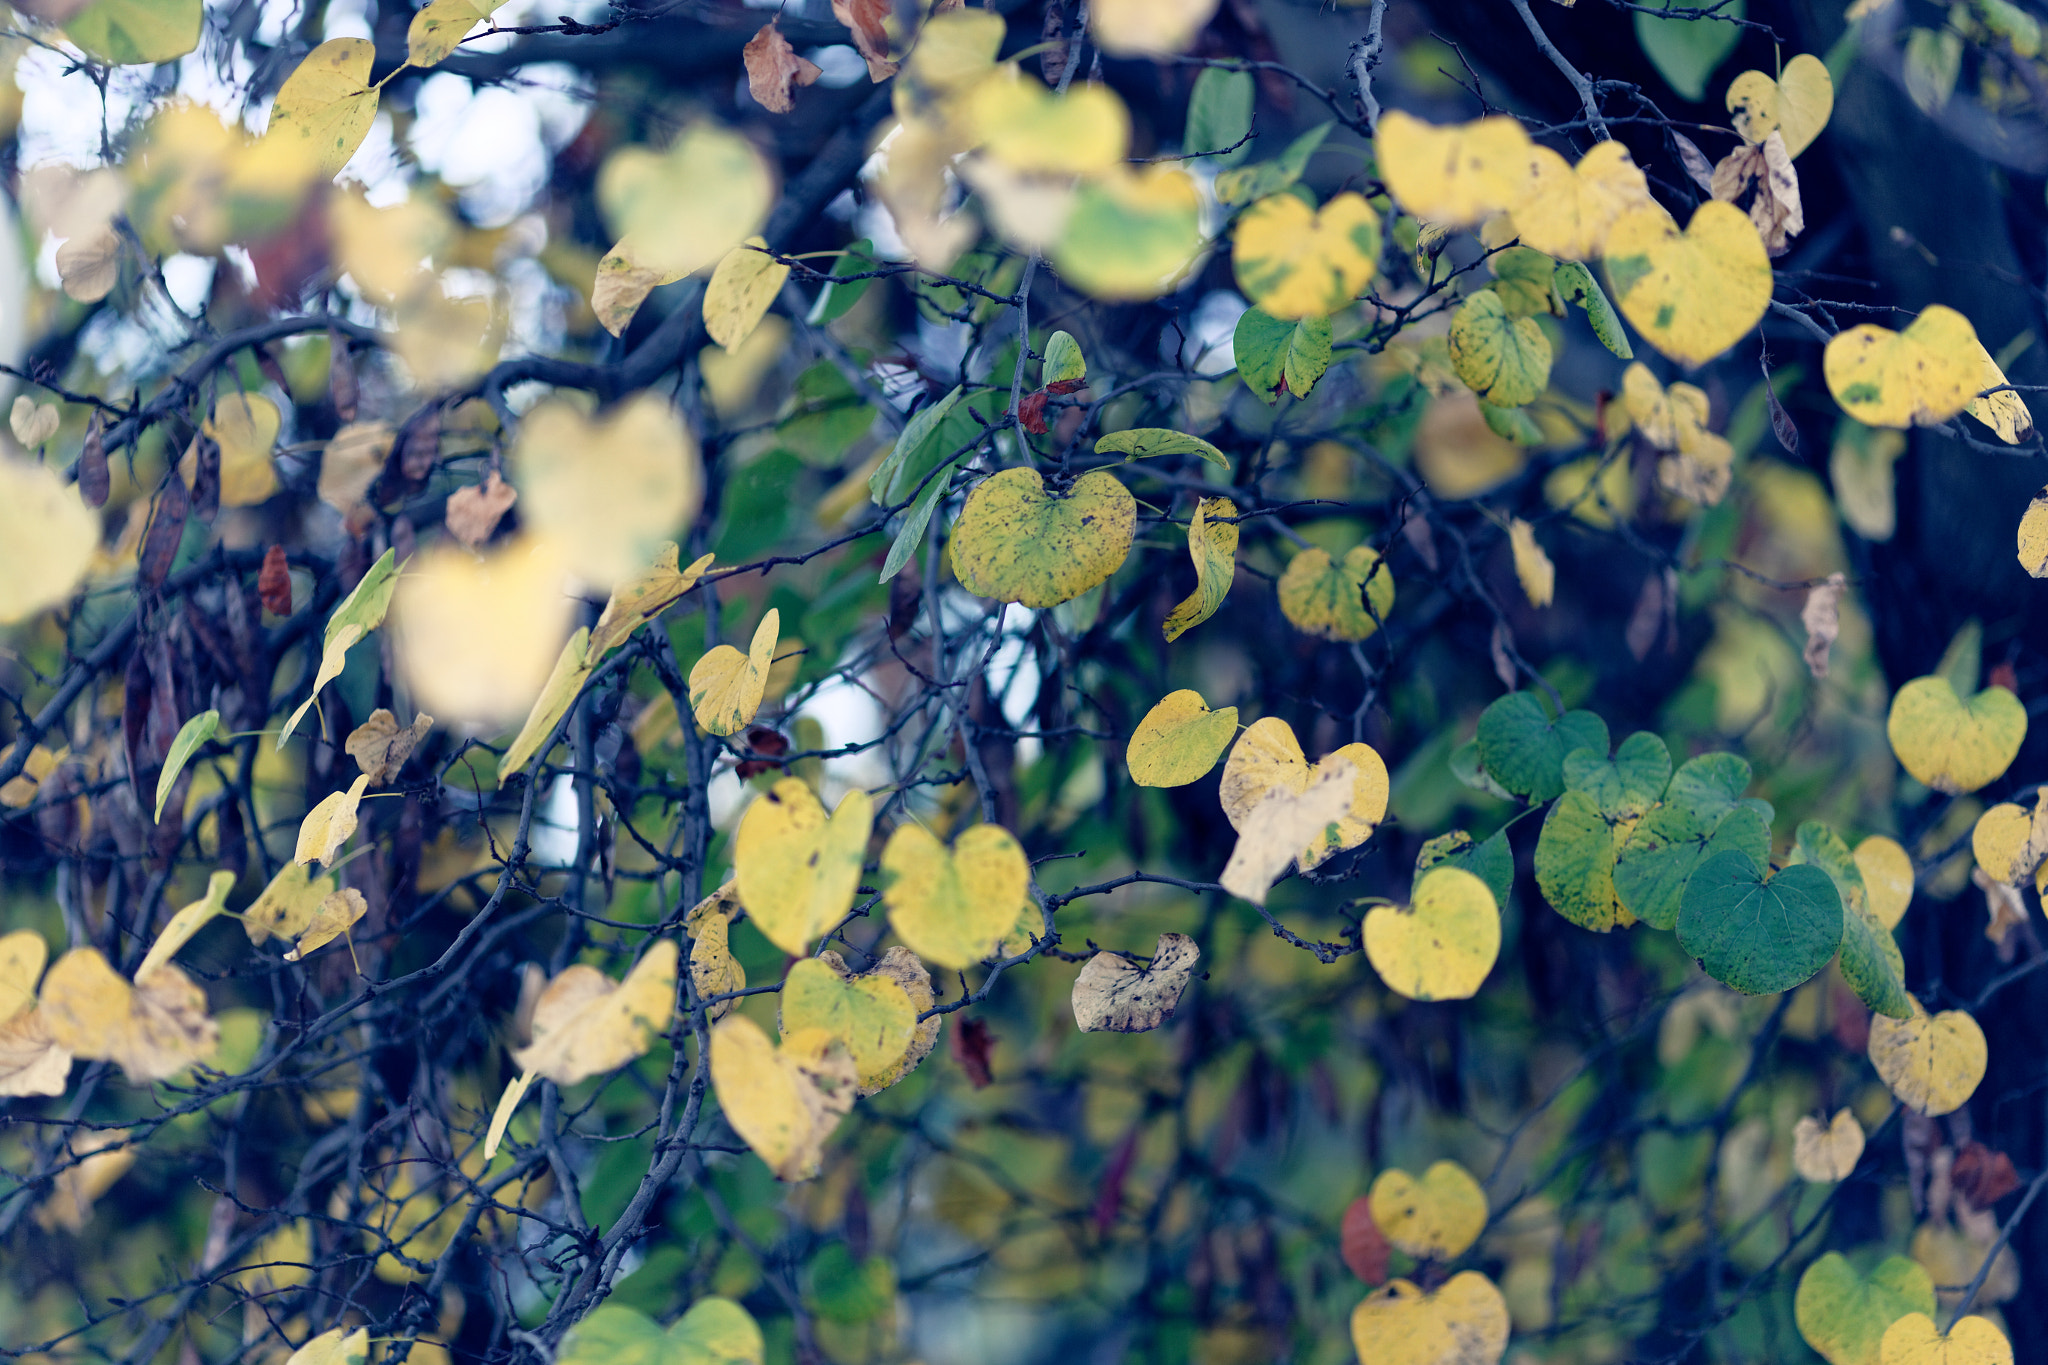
(1503, 359)
(1274, 355)
(1871, 962)
(1844, 1315)
(1524, 749)
(1759, 935)
(1626, 785)
(1575, 863)
(1064, 363)
(1664, 849)
(714, 1332)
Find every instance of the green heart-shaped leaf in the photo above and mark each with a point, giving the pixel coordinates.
(1492, 861)
(1871, 962)
(1627, 785)
(1524, 749)
(1844, 1315)
(1702, 813)
(714, 1332)
(1759, 934)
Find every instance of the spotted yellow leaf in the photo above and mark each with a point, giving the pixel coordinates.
(1018, 542)
(1179, 740)
(1456, 175)
(1503, 359)
(153, 1029)
(1933, 1063)
(328, 825)
(1434, 1218)
(1463, 1322)
(1443, 944)
(1915, 1340)
(953, 906)
(713, 968)
(1952, 745)
(325, 107)
(1294, 261)
(1692, 294)
(1565, 210)
(742, 289)
(1796, 105)
(796, 869)
(726, 686)
(1922, 376)
(1343, 599)
(336, 914)
(783, 1101)
(1213, 547)
(871, 1014)
(640, 598)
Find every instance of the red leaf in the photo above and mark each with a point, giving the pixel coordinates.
(1063, 387)
(2003, 675)
(971, 1043)
(1983, 1175)
(1364, 1245)
(274, 582)
(774, 69)
(767, 743)
(1031, 412)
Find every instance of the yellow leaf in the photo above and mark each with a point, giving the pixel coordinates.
(1952, 745)
(1115, 994)
(335, 916)
(684, 208)
(621, 285)
(23, 955)
(183, 925)
(351, 463)
(1827, 1153)
(380, 748)
(1932, 1063)
(336, 1347)
(439, 28)
(783, 1101)
(1434, 1218)
(287, 905)
(1016, 542)
(501, 1117)
(2010, 841)
(713, 968)
(2033, 536)
(476, 638)
(333, 659)
(1796, 105)
(1128, 28)
(1029, 128)
(47, 539)
(153, 1029)
(726, 686)
(742, 289)
(389, 251)
(1443, 945)
(640, 598)
(586, 1023)
(572, 669)
(1179, 740)
(245, 427)
(900, 965)
(1213, 547)
(1914, 1340)
(33, 423)
(1294, 261)
(1344, 600)
(953, 906)
(1278, 824)
(1887, 871)
(2005, 412)
(1465, 1322)
(328, 825)
(1923, 375)
(1267, 756)
(1532, 565)
(31, 1062)
(1565, 211)
(18, 793)
(1457, 175)
(796, 869)
(871, 1014)
(325, 107)
(1691, 294)
(96, 1161)
(610, 492)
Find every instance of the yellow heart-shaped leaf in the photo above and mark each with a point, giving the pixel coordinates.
(1888, 878)
(1343, 599)
(1442, 946)
(1692, 294)
(1456, 175)
(1267, 755)
(1016, 542)
(713, 968)
(954, 906)
(741, 290)
(1932, 1063)
(871, 1014)
(477, 639)
(1796, 105)
(1029, 128)
(1503, 359)
(325, 107)
(153, 1029)
(1465, 1322)
(1922, 376)
(2010, 841)
(726, 686)
(784, 1101)
(1566, 211)
(47, 539)
(609, 490)
(1914, 1340)
(1294, 261)
(796, 869)
(1434, 1218)
(1179, 740)
(328, 825)
(1952, 745)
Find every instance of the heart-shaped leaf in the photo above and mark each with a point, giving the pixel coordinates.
(1275, 355)
(585, 1024)
(1871, 962)
(1453, 176)
(1490, 860)
(1685, 52)
(1759, 934)
(1627, 785)
(1443, 945)
(742, 288)
(871, 1014)
(1933, 1063)
(1952, 745)
(1915, 1340)
(325, 107)
(784, 1101)
(610, 490)
(1267, 755)
(1343, 599)
(1566, 211)
(1796, 106)
(796, 869)
(1016, 542)
(1575, 862)
(954, 906)
(1179, 740)
(726, 686)
(1691, 294)
(1524, 749)
(1464, 1322)
(1702, 813)
(1826, 1153)
(1434, 1218)
(715, 1331)
(1115, 994)
(1294, 261)
(1922, 376)
(1844, 1315)
(1503, 359)
(1888, 877)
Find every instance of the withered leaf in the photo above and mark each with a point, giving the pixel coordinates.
(380, 745)
(94, 480)
(474, 512)
(274, 582)
(773, 69)
(865, 18)
(1115, 994)
(166, 530)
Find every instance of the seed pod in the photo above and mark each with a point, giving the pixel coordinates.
(94, 482)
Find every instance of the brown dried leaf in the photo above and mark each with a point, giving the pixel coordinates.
(94, 480)
(1115, 994)
(865, 18)
(1695, 162)
(2008, 909)
(421, 449)
(474, 512)
(1983, 1175)
(1822, 618)
(972, 1044)
(274, 582)
(380, 746)
(31, 1063)
(166, 530)
(773, 69)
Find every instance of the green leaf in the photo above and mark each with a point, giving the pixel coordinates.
(1524, 749)
(1503, 359)
(910, 534)
(1270, 177)
(1627, 785)
(1466, 767)
(1685, 51)
(1064, 363)
(1576, 285)
(366, 606)
(1871, 962)
(1145, 443)
(1525, 279)
(1934, 58)
(1271, 351)
(1492, 861)
(1962, 663)
(915, 454)
(1758, 934)
(1844, 1315)
(1575, 862)
(1702, 812)
(1220, 116)
(825, 416)
(1512, 424)
(839, 294)
(714, 1332)
(137, 32)
(191, 735)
